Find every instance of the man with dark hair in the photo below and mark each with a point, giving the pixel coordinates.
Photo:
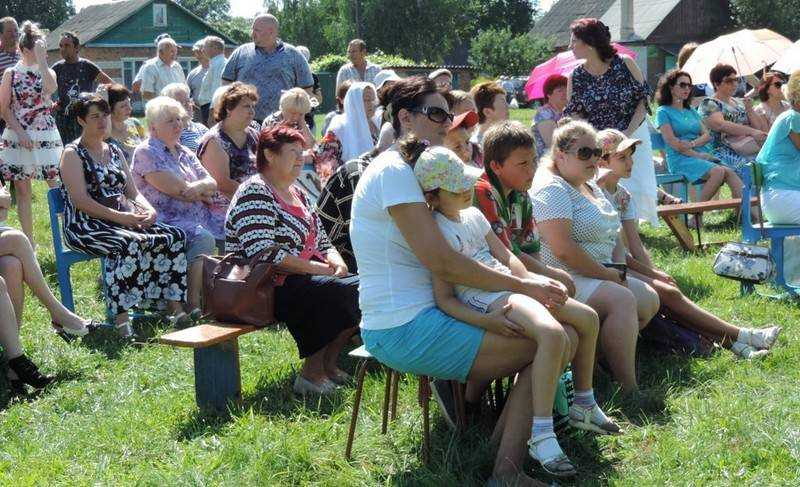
(74, 75)
(490, 100)
(359, 68)
(9, 51)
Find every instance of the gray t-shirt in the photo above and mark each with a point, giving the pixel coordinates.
(270, 73)
(595, 224)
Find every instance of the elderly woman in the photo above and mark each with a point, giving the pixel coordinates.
(106, 216)
(30, 146)
(126, 132)
(316, 296)
(192, 131)
(546, 118)
(172, 179)
(773, 103)
(730, 119)
(228, 149)
(685, 137)
(350, 134)
(294, 105)
(580, 234)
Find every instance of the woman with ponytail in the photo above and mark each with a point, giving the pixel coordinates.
(609, 91)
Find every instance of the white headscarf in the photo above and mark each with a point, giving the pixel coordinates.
(352, 127)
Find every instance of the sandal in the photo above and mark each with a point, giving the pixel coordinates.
(545, 449)
(763, 338)
(592, 419)
(665, 198)
(70, 334)
(179, 320)
(125, 330)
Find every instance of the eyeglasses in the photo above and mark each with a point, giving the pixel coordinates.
(435, 114)
(588, 153)
(684, 85)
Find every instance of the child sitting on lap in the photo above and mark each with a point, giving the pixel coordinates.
(448, 187)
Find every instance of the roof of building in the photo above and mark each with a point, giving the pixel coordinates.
(95, 20)
(648, 15)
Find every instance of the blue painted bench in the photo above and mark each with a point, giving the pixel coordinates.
(217, 377)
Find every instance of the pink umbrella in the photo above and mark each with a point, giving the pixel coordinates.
(563, 64)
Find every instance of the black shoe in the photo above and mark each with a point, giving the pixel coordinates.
(16, 388)
(29, 373)
(443, 392)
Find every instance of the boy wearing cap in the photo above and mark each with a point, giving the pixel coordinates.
(616, 163)
(457, 139)
(448, 186)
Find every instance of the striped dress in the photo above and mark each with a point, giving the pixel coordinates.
(142, 267)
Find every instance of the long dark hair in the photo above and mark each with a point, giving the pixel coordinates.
(665, 84)
(408, 94)
(596, 34)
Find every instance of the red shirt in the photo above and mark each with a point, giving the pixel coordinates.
(511, 217)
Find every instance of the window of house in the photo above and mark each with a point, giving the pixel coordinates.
(159, 15)
(129, 69)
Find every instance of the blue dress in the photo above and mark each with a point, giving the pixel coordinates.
(686, 125)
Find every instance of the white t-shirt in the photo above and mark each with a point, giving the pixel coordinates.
(394, 285)
(468, 238)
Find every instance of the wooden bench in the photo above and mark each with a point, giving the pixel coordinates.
(673, 215)
(217, 377)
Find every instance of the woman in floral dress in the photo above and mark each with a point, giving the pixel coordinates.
(30, 146)
(145, 261)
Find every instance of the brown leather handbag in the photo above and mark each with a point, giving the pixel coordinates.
(239, 291)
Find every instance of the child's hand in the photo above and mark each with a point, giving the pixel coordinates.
(498, 323)
(551, 293)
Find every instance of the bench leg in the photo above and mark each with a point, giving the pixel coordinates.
(387, 394)
(65, 286)
(217, 378)
(681, 232)
(393, 404)
(424, 401)
(361, 371)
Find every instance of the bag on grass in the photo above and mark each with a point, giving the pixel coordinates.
(744, 262)
(667, 335)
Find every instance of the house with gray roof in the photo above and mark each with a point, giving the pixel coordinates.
(655, 29)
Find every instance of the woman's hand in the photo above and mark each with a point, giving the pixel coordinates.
(564, 278)
(615, 276)
(497, 322)
(340, 270)
(25, 140)
(662, 276)
(132, 220)
(759, 136)
(193, 191)
(683, 146)
(40, 51)
(549, 292)
(321, 268)
(151, 215)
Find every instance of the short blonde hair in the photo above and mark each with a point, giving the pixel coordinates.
(793, 88)
(295, 99)
(161, 107)
(173, 88)
(569, 131)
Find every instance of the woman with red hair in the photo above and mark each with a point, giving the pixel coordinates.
(546, 118)
(773, 102)
(609, 92)
(315, 294)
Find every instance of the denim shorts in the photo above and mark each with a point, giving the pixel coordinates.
(432, 344)
(202, 243)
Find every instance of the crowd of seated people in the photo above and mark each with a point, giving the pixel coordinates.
(461, 246)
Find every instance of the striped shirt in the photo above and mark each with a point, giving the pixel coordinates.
(259, 220)
(7, 60)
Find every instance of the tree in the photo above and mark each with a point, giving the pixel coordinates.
(324, 26)
(208, 10)
(516, 15)
(782, 16)
(48, 13)
(237, 28)
(500, 52)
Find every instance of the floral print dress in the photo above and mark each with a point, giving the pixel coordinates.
(143, 267)
(34, 114)
(735, 113)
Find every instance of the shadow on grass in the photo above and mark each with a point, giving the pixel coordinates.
(107, 341)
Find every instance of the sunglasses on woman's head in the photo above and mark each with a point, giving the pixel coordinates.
(435, 114)
(587, 153)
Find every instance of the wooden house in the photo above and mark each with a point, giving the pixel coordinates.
(655, 29)
(119, 36)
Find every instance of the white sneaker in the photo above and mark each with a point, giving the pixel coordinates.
(763, 338)
(304, 386)
(745, 351)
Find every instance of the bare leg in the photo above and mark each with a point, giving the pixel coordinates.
(619, 330)
(9, 331)
(334, 349)
(587, 325)
(195, 285)
(692, 315)
(714, 179)
(14, 243)
(24, 207)
(314, 368)
(11, 271)
(647, 302)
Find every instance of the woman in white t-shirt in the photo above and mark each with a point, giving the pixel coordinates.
(398, 246)
(580, 233)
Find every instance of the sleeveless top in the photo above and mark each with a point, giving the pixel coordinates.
(608, 100)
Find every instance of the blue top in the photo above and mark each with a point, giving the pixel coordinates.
(779, 156)
(270, 73)
(546, 112)
(686, 125)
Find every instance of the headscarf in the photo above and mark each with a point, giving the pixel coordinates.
(352, 127)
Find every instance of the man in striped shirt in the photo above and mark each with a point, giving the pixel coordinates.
(9, 53)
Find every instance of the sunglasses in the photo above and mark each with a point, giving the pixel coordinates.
(435, 114)
(588, 153)
(684, 85)
(777, 84)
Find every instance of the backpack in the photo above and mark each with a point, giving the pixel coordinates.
(668, 336)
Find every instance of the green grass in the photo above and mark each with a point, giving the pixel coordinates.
(122, 416)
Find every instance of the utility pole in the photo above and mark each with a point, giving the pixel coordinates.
(358, 19)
